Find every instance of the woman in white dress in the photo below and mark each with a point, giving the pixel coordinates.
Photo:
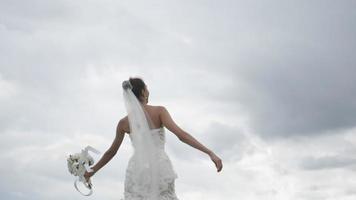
(158, 175)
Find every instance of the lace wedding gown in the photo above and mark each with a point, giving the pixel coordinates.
(137, 185)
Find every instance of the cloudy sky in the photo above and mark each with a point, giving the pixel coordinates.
(269, 86)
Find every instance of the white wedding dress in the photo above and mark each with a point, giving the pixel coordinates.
(137, 185)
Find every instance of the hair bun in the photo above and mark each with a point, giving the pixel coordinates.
(126, 85)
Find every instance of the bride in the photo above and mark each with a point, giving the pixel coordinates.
(149, 174)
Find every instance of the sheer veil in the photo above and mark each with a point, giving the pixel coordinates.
(145, 150)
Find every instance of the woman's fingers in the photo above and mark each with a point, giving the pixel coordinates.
(218, 164)
(87, 176)
(217, 161)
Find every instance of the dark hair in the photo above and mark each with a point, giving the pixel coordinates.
(137, 86)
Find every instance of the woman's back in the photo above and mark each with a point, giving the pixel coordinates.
(153, 113)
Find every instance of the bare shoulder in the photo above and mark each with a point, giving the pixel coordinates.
(124, 120)
(123, 124)
(162, 110)
(159, 107)
(156, 108)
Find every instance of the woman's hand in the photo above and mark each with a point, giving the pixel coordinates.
(87, 175)
(217, 161)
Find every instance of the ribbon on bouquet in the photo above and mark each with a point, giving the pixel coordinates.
(78, 164)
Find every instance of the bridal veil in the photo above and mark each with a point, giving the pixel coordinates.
(145, 150)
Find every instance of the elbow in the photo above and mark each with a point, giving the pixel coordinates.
(182, 139)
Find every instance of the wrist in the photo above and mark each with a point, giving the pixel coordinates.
(93, 170)
(209, 152)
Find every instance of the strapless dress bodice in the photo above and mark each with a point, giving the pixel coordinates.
(159, 138)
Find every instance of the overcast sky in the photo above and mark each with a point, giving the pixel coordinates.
(269, 86)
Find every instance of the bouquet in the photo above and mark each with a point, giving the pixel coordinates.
(78, 164)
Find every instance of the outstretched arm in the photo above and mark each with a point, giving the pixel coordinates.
(186, 137)
(110, 153)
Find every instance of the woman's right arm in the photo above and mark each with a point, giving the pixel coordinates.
(185, 137)
(111, 152)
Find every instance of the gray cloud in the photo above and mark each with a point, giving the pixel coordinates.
(302, 101)
(301, 80)
(327, 162)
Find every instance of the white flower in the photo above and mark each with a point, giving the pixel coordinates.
(79, 163)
